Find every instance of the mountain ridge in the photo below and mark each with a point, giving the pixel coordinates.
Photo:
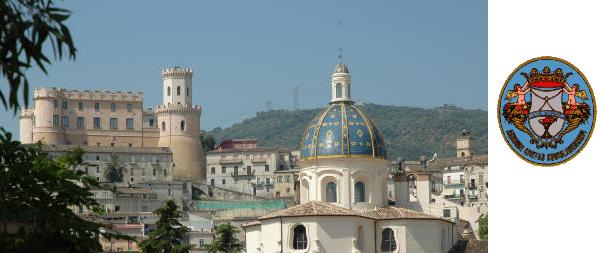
(409, 132)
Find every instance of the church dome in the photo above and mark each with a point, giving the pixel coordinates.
(342, 129)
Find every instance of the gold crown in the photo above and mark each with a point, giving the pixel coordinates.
(547, 75)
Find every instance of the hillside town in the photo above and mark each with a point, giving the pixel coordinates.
(337, 190)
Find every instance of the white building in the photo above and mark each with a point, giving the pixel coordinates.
(343, 192)
(240, 165)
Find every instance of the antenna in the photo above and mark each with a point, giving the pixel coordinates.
(295, 90)
(341, 50)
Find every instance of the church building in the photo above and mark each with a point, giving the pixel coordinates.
(343, 185)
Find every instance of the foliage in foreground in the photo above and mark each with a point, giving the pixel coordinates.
(169, 234)
(225, 240)
(483, 227)
(36, 194)
(25, 28)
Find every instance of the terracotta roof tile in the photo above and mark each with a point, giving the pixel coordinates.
(392, 213)
(312, 208)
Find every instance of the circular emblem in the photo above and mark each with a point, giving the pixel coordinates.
(546, 111)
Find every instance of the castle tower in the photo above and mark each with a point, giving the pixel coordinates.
(26, 126)
(463, 145)
(45, 121)
(179, 125)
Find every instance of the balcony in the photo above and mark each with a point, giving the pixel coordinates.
(259, 160)
(230, 161)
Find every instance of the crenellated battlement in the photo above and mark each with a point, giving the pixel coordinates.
(177, 72)
(178, 108)
(54, 92)
(26, 112)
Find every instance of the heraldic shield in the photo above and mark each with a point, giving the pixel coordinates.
(546, 121)
(546, 117)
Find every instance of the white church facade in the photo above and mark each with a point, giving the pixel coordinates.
(343, 185)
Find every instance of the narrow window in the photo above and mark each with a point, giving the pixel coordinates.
(212, 170)
(80, 122)
(212, 182)
(113, 123)
(55, 103)
(65, 105)
(223, 181)
(266, 167)
(80, 106)
(338, 90)
(223, 169)
(359, 192)
(55, 120)
(300, 239)
(65, 121)
(182, 125)
(129, 123)
(331, 192)
(129, 108)
(97, 107)
(97, 122)
(151, 122)
(169, 91)
(178, 90)
(113, 107)
(389, 242)
(163, 126)
(187, 91)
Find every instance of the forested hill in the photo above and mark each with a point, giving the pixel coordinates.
(409, 132)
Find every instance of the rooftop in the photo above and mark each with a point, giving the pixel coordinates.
(317, 208)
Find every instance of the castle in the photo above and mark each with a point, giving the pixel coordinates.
(118, 122)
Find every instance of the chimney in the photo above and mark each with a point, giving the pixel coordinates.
(401, 190)
(423, 190)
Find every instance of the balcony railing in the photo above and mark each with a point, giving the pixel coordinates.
(230, 161)
(259, 160)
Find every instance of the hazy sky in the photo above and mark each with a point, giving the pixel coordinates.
(244, 53)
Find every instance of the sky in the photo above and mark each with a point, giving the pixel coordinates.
(423, 53)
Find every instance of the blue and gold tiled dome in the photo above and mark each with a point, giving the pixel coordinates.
(342, 130)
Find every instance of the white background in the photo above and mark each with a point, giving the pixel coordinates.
(542, 209)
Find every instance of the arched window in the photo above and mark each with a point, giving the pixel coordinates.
(187, 91)
(331, 192)
(169, 91)
(300, 240)
(359, 192)
(338, 90)
(388, 242)
(182, 124)
(178, 90)
(163, 126)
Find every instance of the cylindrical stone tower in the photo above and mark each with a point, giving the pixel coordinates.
(26, 126)
(179, 123)
(48, 113)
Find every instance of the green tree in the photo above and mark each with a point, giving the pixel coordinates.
(25, 28)
(169, 234)
(208, 142)
(37, 195)
(225, 240)
(114, 172)
(483, 227)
